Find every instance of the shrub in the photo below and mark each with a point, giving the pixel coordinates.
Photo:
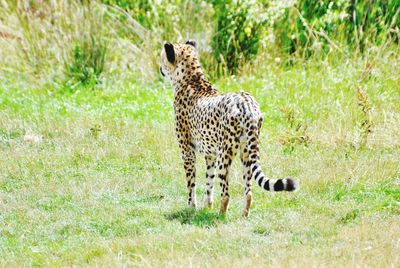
(87, 62)
(311, 25)
(372, 21)
(237, 34)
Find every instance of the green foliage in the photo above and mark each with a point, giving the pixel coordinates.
(372, 22)
(141, 10)
(230, 34)
(237, 35)
(87, 63)
(313, 25)
(169, 19)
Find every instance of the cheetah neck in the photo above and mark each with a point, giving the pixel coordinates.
(194, 87)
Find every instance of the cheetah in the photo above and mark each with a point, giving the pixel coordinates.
(215, 125)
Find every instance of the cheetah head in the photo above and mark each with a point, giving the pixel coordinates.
(179, 61)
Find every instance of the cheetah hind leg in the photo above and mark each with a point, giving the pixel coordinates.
(223, 163)
(244, 158)
(223, 176)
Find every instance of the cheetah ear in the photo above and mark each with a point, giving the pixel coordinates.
(169, 50)
(192, 43)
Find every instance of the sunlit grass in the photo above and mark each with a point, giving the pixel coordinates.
(94, 177)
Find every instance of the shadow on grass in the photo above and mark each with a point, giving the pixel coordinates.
(202, 218)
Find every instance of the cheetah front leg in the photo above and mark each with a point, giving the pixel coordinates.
(189, 163)
(210, 174)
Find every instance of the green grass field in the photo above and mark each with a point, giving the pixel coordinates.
(94, 177)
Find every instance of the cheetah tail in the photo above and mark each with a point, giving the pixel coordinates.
(268, 184)
(273, 185)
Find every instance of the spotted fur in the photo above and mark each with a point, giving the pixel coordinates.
(216, 125)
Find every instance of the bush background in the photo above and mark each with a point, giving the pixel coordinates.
(44, 35)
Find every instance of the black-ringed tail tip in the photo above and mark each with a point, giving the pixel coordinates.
(291, 185)
(278, 185)
(273, 185)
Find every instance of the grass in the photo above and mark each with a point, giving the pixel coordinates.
(94, 177)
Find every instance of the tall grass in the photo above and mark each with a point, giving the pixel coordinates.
(38, 38)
